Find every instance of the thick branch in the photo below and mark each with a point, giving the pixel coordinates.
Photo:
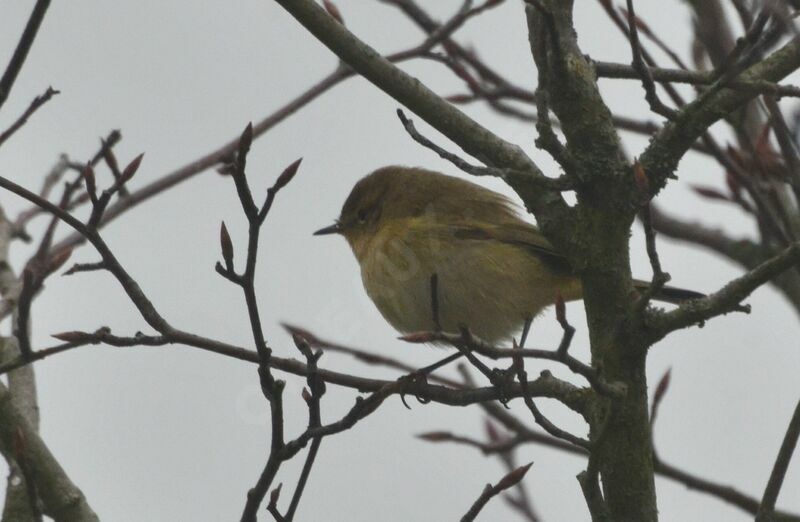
(573, 92)
(62, 500)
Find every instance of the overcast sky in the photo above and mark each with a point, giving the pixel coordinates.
(163, 434)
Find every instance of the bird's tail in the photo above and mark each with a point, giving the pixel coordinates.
(670, 294)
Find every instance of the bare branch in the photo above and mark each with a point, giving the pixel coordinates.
(61, 498)
(472, 137)
(33, 107)
(656, 105)
(525, 435)
(510, 480)
(661, 157)
(477, 345)
(541, 420)
(613, 70)
(317, 389)
(727, 299)
(21, 52)
(765, 510)
(557, 184)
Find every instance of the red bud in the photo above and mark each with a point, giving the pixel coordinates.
(275, 495)
(661, 390)
(20, 443)
(333, 11)
(226, 245)
(710, 193)
(287, 174)
(640, 178)
(245, 140)
(131, 169)
(514, 477)
(91, 184)
(70, 337)
(561, 309)
(435, 436)
(418, 337)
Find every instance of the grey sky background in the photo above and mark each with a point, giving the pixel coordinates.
(163, 434)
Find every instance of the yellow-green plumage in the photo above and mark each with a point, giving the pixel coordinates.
(494, 270)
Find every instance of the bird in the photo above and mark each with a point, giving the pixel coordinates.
(439, 252)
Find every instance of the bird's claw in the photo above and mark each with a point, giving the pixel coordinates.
(409, 380)
(502, 380)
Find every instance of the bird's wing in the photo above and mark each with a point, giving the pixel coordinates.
(523, 235)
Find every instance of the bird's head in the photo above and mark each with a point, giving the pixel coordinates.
(394, 194)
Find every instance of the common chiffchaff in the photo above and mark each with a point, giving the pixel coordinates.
(494, 270)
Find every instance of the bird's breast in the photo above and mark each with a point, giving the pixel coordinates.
(487, 286)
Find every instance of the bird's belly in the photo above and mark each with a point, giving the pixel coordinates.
(491, 293)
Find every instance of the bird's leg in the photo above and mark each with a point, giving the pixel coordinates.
(435, 302)
(526, 328)
(421, 374)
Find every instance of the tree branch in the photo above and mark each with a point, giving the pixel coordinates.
(725, 300)
(33, 107)
(765, 510)
(661, 157)
(21, 52)
(62, 499)
(510, 480)
(472, 137)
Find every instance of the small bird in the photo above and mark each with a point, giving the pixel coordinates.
(441, 252)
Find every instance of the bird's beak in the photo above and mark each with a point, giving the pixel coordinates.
(336, 228)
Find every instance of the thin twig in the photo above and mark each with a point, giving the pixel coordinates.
(561, 183)
(456, 160)
(540, 419)
(765, 510)
(317, 389)
(656, 105)
(271, 388)
(489, 492)
(621, 71)
(33, 107)
(660, 278)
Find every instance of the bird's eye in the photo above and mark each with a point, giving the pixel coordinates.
(362, 216)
